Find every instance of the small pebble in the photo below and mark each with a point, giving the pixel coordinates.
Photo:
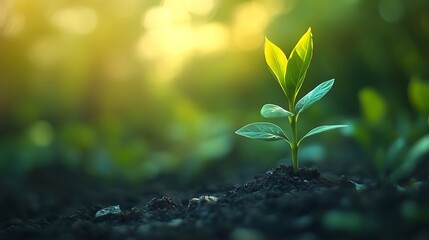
(359, 187)
(205, 199)
(108, 210)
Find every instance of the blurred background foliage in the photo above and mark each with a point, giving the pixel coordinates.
(136, 89)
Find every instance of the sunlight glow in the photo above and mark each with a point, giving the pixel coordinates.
(77, 20)
(165, 17)
(211, 38)
(177, 30)
(200, 7)
(250, 20)
(10, 24)
(172, 36)
(44, 52)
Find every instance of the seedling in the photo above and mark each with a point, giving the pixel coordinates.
(290, 73)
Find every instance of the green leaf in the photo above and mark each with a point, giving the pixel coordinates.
(418, 93)
(297, 65)
(321, 129)
(274, 111)
(314, 95)
(413, 158)
(373, 106)
(263, 131)
(276, 60)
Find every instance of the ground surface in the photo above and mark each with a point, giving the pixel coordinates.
(273, 205)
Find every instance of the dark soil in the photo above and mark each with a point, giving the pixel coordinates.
(274, 205)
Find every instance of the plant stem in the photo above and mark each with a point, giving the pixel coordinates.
(294, 145)
(292, 121)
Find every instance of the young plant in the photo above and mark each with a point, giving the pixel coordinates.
(290, 73)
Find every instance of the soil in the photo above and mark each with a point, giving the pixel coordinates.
(276, 204)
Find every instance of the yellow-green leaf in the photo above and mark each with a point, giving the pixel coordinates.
(418, 92)
(276, 60)
(373, 105)
(297, 65)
